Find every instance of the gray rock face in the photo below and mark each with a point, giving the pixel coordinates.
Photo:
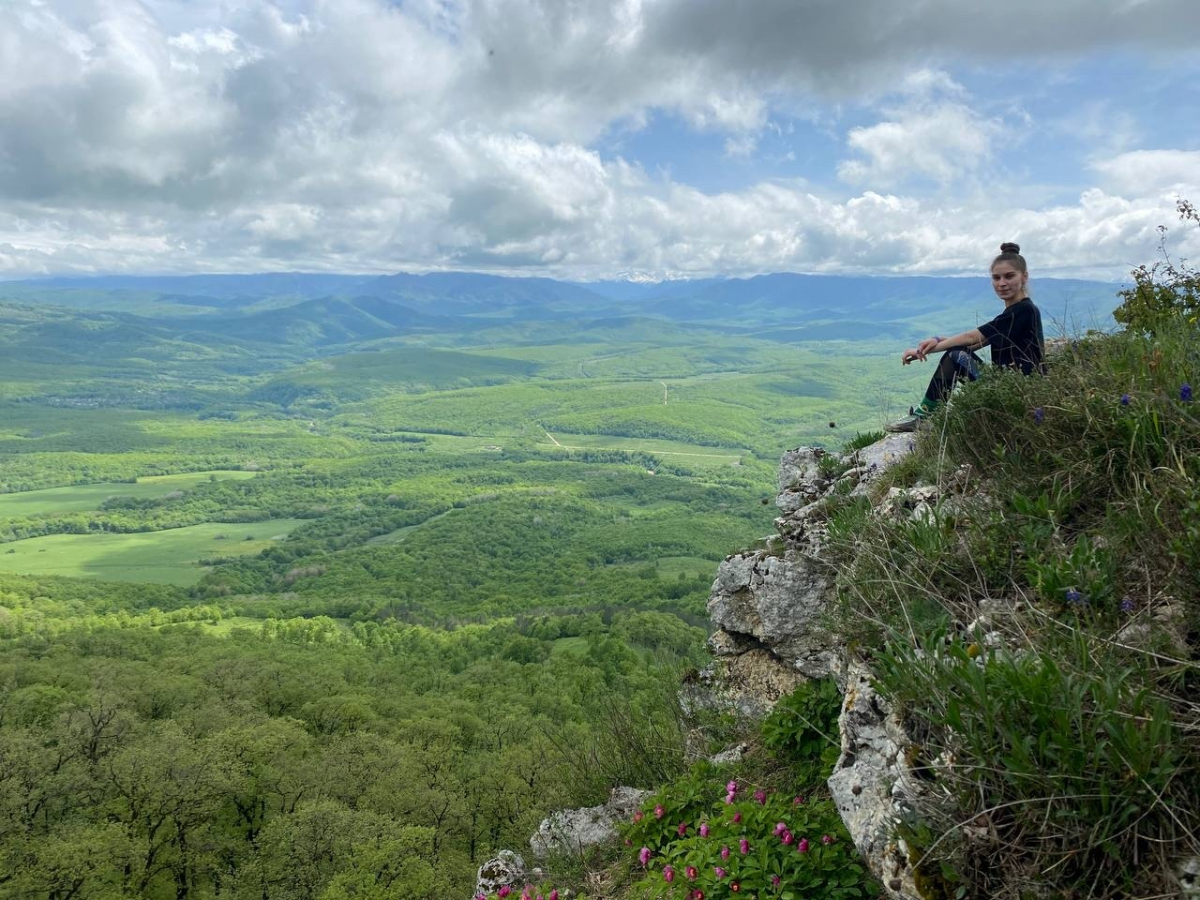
(884, 453)
(779, 602)
(748, 684)
(1188, 874)
(873, 785)
(506, 868)
(770, 609)
(573, 830)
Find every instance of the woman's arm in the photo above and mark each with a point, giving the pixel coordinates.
(968, 340)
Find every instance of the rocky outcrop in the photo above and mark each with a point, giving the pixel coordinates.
(771, 608)
(573, 830)
(506, 869)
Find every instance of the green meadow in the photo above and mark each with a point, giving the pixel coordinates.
(163, 557)
(91, 496)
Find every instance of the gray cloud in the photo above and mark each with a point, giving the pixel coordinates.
(367, 136)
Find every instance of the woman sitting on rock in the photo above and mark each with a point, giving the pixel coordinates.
(1015, 337)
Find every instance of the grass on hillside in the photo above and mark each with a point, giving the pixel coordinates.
(1041, 638)
(84, 497)
(163, 557)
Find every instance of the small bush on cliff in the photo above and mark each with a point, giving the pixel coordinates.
(1041, 634)
(1164, 291)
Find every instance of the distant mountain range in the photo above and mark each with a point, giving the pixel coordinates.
(277, 306)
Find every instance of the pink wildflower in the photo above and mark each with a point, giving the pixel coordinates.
(692, 872)
(788, 838)
(775, 880)
(703, 829)
(719, 872)
(553, 895)
(744, 846)
(638, 816)
(826, 839)
(737, 818)
(644, 856)
(682, 829)
(760, 797)
(724, 853)
(504, 891)
(803, 845)
(659, 811)
(668, 874)
(780, 828)
(731, 788)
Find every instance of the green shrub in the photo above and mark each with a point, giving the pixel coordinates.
(700, 835)
(1164, 291)
(804, 727)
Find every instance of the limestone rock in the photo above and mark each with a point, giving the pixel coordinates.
(1188, 873)
(779, 601)
(873, 785)
(1161, 630)
(572, 830)
(747, 684)
(726, 757)
(883, 453)
(505, 868)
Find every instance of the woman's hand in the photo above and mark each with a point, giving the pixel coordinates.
(921, 351)
(926, 347)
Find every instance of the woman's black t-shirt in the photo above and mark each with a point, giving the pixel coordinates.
(1015, 337)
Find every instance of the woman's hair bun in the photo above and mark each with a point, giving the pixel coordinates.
(1010, 247)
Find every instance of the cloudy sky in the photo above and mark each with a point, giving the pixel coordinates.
(594, 139)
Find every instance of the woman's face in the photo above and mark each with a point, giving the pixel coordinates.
(1007, 282)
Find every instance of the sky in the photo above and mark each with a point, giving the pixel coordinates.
(595, 139)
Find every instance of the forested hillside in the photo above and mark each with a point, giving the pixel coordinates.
(294, 586)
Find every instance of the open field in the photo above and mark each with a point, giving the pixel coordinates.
(83, 497)
(164, 557)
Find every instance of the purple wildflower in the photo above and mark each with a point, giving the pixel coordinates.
(1124, 399)
(1038, 415)
(1127, 604)
(1185, 392)
(1074, 597)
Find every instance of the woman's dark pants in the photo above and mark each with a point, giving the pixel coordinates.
(953, 365)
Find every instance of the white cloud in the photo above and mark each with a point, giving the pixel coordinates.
(366, 135)
(1140, 172)
(940, 143)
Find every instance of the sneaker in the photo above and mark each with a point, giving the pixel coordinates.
(908, 423)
